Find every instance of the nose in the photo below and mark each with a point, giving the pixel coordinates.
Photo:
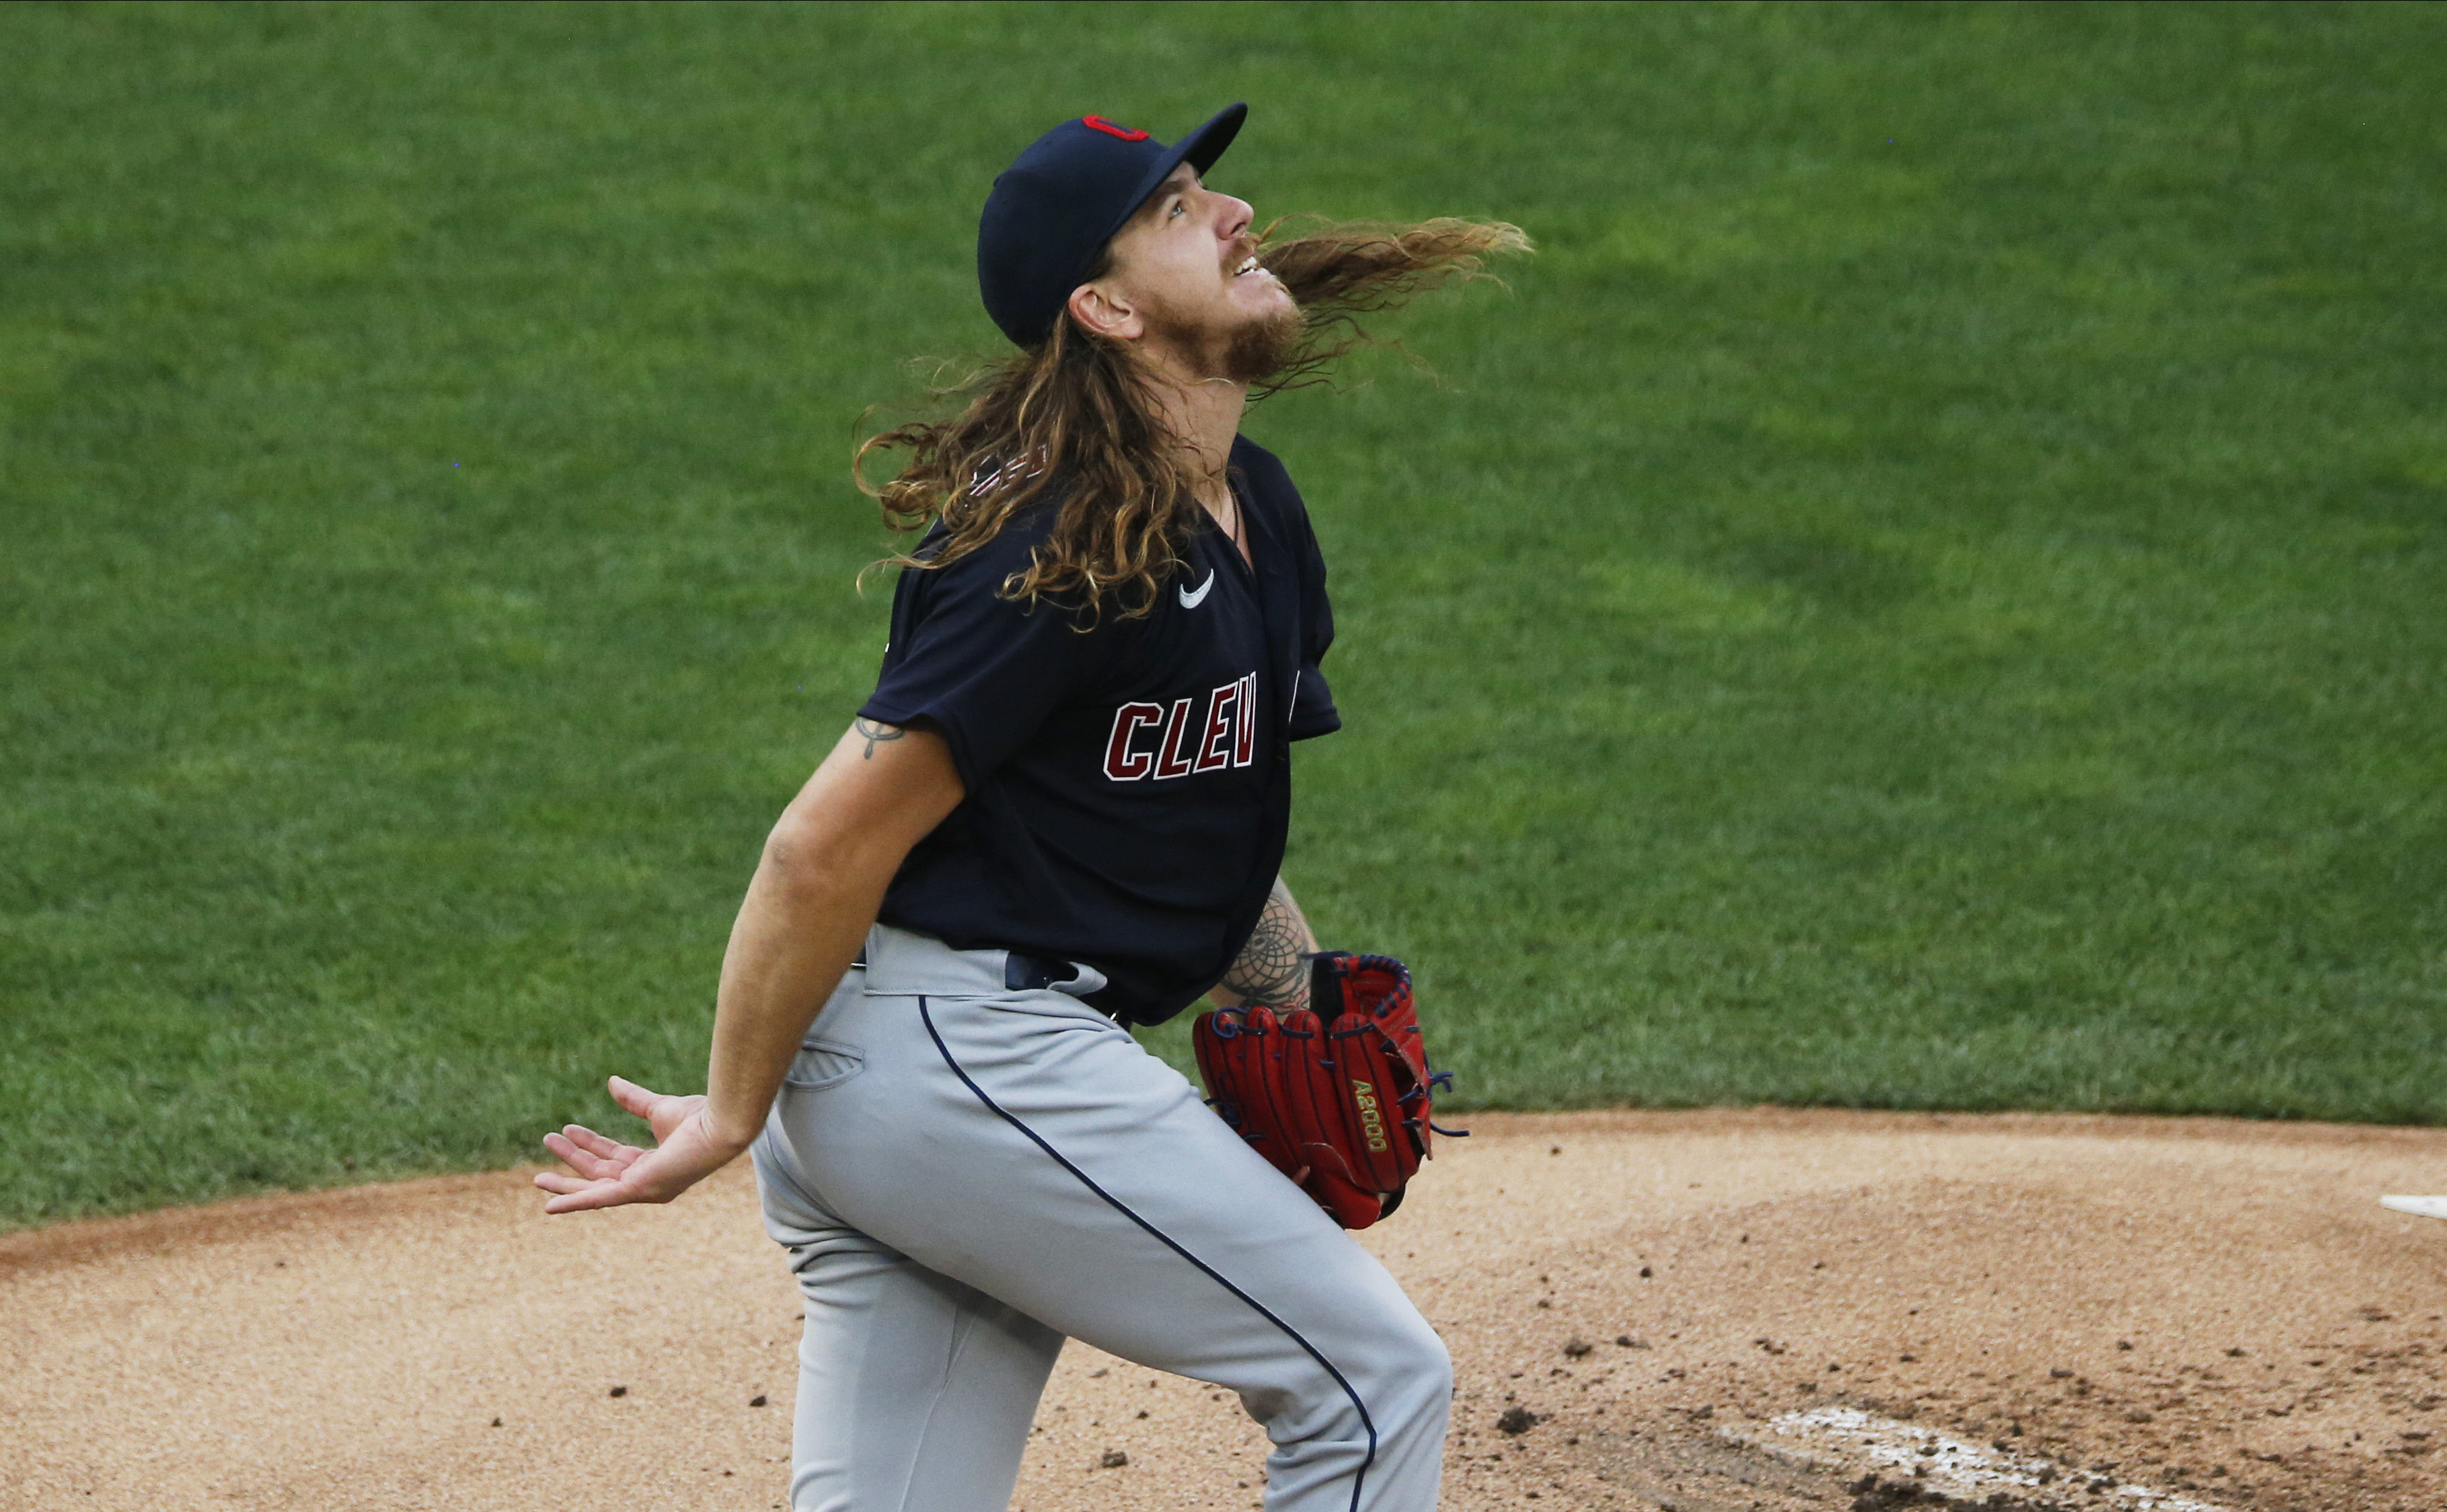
(1232, 218)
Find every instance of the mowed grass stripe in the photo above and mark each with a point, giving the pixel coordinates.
(1925, 593)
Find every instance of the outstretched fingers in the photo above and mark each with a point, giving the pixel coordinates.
(574, 1196)
(561, 1182)
(590, 1154)
(586, 1139)
(605, 1173)
(654, 1176)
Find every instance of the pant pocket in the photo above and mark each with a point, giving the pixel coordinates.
(823, 1063)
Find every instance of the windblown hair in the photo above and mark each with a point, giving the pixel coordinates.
(1072, 424)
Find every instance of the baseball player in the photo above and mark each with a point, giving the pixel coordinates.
(1060, 814)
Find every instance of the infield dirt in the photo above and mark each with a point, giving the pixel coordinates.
(1710, 1312)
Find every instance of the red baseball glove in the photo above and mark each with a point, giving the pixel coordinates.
(1335, 1094)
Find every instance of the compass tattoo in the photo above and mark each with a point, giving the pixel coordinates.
(1273, 968)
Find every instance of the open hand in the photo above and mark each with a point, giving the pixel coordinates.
(610, 1174)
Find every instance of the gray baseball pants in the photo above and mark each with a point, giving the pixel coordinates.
(963, 1175)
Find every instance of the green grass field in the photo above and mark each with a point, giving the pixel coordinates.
(1926, 593)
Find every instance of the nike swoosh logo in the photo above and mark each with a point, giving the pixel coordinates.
(1190, 600)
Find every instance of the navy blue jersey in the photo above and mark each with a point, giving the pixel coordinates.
(1128, 784)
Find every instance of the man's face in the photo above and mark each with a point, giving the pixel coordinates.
(1187, 263)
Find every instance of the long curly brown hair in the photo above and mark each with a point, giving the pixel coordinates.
(1072, 420)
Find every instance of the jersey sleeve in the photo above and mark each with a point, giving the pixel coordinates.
(1313, 711)
(981, 668)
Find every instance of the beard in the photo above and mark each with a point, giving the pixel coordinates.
(1260, 349)
(1248, 353)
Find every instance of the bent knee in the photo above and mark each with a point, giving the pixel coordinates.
(1415, 1353)
(1420, 1369)
(1407, 1380)
(1404, 1373)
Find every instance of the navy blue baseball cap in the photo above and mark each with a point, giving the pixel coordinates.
(1058, 204)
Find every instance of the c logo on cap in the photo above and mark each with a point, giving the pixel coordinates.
(1100, 124)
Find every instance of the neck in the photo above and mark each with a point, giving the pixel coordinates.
(1203, 412)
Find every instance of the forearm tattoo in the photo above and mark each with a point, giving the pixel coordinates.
(875, 730)
(1272, 969)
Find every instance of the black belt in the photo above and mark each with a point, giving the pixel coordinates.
(1034, 974)
(1023, 972)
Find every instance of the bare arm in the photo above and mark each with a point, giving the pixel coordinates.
(807, 911)
(1272, 968)
(814, 894)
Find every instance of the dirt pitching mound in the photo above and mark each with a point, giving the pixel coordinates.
(1714, 1312)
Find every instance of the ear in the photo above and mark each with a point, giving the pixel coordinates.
(1106, 311)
